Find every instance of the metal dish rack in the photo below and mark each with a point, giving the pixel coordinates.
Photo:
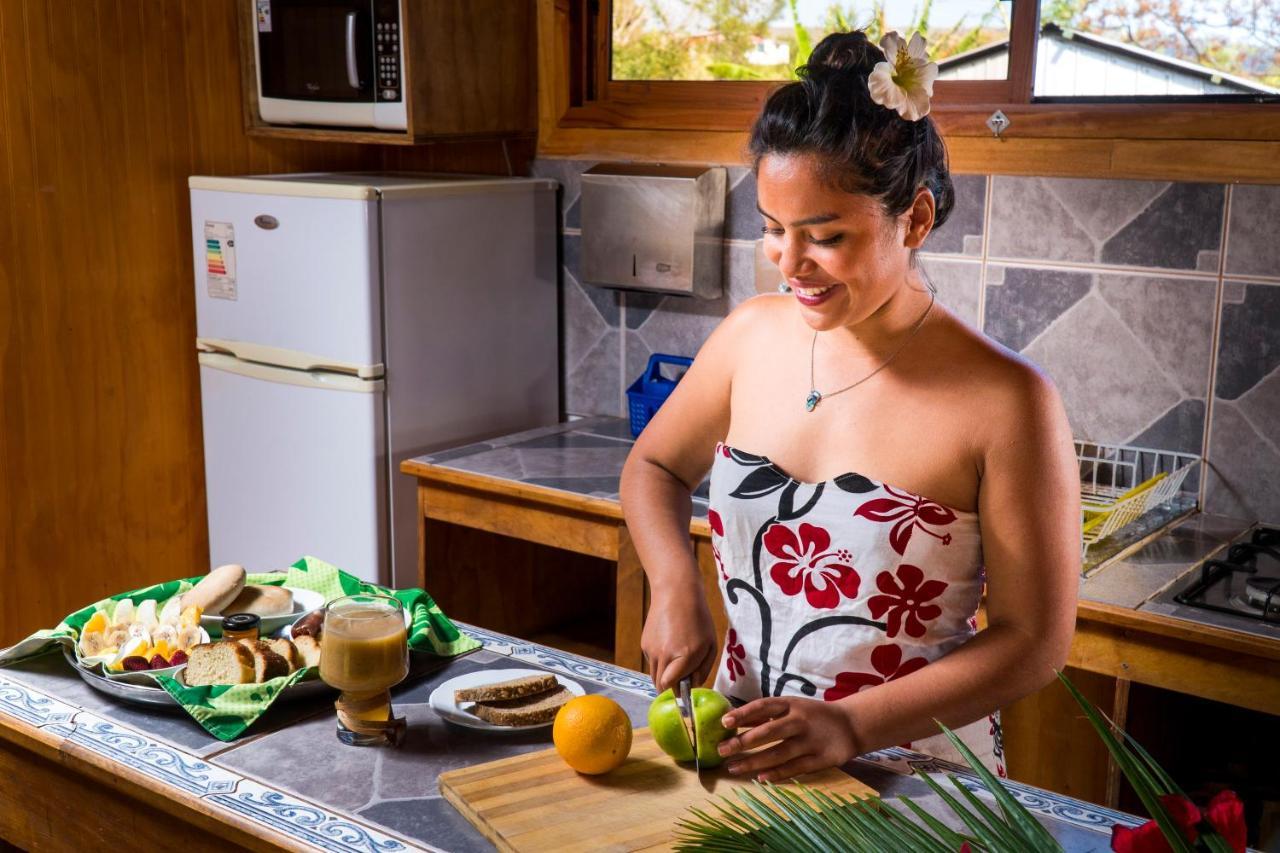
(1121, 483)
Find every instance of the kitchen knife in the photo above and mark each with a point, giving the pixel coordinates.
(686, 714)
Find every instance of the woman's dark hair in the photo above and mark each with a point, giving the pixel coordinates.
(865, 147)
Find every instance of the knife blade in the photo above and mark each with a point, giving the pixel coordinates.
(686, 714)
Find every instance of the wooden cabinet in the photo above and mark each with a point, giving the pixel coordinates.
(469, 73)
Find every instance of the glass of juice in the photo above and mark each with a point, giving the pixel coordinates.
(364, 651)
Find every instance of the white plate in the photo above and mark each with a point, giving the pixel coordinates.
(304, 601)
(442, 703)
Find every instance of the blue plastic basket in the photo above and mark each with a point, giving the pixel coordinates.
(648, 392)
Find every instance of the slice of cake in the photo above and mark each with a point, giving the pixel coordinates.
(501, 691)
(526, 711)
(226, 662)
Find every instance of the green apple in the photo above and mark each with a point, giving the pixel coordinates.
(669, 732)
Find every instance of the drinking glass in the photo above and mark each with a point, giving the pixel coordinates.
(364, 651)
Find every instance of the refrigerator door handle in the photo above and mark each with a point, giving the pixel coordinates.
(286, 376)
(294, 359)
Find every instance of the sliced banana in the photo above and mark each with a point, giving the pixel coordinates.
(93, 644)
(164, 633)
(124, 613)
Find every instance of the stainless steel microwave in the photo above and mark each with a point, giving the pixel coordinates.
(330, 62)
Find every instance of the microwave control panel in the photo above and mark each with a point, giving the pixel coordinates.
(386, 34)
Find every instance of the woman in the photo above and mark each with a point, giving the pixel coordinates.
(825, 415)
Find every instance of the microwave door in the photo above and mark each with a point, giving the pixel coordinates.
(317, 50)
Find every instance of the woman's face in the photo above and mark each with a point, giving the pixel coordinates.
(842, 256)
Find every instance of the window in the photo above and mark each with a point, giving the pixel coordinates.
(767, 39)
(1061, 69)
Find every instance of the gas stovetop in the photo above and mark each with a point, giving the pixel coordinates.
(1238, 587)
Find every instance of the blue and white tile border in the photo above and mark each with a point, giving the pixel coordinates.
(601, 673)
(306, 821)
(1037, 801)
(36, 709)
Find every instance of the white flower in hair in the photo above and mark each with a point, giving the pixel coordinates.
(904, 82)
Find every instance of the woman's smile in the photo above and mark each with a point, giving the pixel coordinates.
(811, 294)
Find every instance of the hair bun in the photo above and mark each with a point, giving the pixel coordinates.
(844, 52)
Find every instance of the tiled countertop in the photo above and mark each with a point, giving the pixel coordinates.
(293, 776)
(582, 457)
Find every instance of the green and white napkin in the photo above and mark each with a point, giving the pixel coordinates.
(227, 710)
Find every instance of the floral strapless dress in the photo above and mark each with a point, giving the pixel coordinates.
(840, 586)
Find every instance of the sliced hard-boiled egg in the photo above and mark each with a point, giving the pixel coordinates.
(145, 614)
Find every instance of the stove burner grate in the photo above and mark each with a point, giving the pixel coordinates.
(1263, 593)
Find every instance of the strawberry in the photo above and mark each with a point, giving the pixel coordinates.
(134, 663)
(158, 662)
(179, 657)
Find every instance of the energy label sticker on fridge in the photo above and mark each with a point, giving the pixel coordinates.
(220, 259)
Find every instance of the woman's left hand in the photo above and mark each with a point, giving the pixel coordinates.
(810, 735)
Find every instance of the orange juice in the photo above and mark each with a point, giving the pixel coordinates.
(364, 649)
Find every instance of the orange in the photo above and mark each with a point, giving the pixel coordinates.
(592, 734)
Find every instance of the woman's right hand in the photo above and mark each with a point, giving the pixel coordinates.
(679, 638)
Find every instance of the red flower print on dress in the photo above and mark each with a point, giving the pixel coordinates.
(909, 512)
(888, 664)
(905, 597)
(717, 531)
(805, 563)
(735, 653)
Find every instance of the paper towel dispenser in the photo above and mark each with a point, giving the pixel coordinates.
(650, 227)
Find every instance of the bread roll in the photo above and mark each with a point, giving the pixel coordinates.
(224, 662)
(262, 600)
(216, 589)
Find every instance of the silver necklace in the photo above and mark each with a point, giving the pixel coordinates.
(815, 396)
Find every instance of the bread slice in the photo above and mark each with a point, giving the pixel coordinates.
(266, 663)
(527, 711)
(308, 649)
(225, 662)
(288, 651)
(516, 688)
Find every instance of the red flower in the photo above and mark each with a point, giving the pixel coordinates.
(1225, 814)
(804, 562)
(909, 511)
(1148, 838)
(733, 652)
(717, 530)
(964, 848)
(886, 661)
(906, 596)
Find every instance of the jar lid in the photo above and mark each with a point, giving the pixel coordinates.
(241, 622)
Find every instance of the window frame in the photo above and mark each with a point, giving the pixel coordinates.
(961, 107)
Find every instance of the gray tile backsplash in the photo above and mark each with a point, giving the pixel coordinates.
(1113, 287)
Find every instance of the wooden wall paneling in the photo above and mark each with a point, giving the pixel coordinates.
(105, 109)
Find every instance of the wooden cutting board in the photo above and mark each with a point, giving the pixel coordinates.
(535, 802)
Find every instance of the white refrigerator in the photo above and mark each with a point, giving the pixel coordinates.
(346, 322)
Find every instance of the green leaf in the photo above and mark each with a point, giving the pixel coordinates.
(1015, 813)
(998, 826)
(985, 836)
(940, 829)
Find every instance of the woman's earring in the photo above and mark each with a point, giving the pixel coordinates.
(783, 287)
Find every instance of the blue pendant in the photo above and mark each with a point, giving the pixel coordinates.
(811, 402)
